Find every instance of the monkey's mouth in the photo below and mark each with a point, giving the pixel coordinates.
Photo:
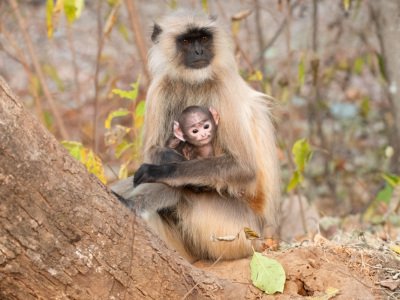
(204, 141)
(199, 64)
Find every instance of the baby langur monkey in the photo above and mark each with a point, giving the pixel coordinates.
(194, 132)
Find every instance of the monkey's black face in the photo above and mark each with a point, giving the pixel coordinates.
(196, 48)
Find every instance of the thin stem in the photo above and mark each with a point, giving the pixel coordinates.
(38, 69)
(74, 65)
(100, 45)
(260, 36)
(137, 31)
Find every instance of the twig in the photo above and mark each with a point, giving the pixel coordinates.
(289, 59)
(74, 65)
(393, 129)
(236, 40)
(354, 277)
(38, 69)
(276, 35)
(260, 36)
(136, 28)
(302, 212)
(18, 56)
(100, 44)
(298, 193)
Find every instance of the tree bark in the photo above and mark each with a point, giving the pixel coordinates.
(386, 15)
(64, 236)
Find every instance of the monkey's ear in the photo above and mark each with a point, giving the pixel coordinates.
(156, 32)
(215, 114)
(178, 132)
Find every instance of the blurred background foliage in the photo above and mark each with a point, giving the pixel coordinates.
(80, 67)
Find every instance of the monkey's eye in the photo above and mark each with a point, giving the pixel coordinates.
(185, 42)
(195, 131)
(206, 126)
(204, 38)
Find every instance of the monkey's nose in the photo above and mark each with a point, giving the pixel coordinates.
(198, 49)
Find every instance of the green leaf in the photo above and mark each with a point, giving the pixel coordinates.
(385, 194)
(48, 119)
(296, 179)
(123, 31)
(267, 274)
(123, 171)
(94, 165)
(346, 4)
(131, 94)
(301, 71)
(358, 65)
(51, 71)
(139, 114)
(204, 5)
(140, 109)
(74, 148)
(113, 2)
(330, 292)
(73, 9)
(381, 63)
(365, 107)
(256, 76)
(87, 157)
(122, 147)
(302, 153)
(173, 4)
(391, 179)
(121, 112)
(49, 17)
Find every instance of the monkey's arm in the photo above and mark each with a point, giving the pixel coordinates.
(220, 173)
(137, 198)
(162, 155)
(140, 198)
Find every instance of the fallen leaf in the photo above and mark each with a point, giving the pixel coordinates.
(267, 274)
(330, 292)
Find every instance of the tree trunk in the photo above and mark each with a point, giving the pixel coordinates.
(386, 15)
(64, 236)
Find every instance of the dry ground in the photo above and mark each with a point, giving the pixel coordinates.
(357, 271)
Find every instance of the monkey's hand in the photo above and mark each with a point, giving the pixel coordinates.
(151, 173)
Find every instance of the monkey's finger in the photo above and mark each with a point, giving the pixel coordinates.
(140, 175)
(153, 173)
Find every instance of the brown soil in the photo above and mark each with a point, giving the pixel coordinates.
(356, 272)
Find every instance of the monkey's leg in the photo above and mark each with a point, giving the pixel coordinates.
(168, 231)
(213, 226)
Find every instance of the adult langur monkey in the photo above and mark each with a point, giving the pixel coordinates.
(192, 63)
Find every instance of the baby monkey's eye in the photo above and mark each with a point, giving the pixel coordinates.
(195, 131)
(206, 126)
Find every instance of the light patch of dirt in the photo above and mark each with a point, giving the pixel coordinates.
(311, 269)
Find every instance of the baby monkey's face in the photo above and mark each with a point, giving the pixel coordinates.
(199, 129)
